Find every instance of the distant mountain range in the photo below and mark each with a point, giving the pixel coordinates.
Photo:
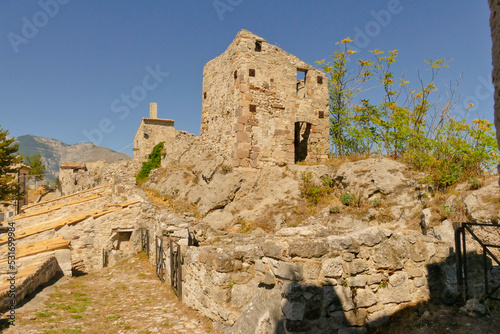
(54, 152)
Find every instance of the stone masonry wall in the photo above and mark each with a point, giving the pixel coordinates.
(495, 36)
(251, 108)
(304, 283)
(151, 132)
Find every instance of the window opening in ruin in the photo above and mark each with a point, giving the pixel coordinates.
(235, 74)
(258, 46)
(205, 95)
(251, 72)
(253, 108)
(319, 79)
(321, 114)
(301, 82)
(121, 240)
(302, 132)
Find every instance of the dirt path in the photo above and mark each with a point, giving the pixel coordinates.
(126, 298)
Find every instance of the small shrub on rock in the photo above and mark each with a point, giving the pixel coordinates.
(346, 199)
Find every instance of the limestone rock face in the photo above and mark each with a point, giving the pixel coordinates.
(220, 192)
(371, 176)
(480, 204)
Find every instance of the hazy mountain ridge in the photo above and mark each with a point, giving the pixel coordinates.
(54, 152)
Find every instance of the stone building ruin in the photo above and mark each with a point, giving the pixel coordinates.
(260, 106)
(151, 131)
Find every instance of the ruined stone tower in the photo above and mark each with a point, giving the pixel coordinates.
(262, 105)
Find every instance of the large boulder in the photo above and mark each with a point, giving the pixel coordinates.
(370, 176)
(482, 205)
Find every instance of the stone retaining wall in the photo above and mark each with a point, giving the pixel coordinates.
(293, 283)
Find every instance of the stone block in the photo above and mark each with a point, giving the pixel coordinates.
(375, 279)
(390, 254)
(223, 263)
(266, 278)
(339, 242)
(368, 237)
(396, 292)
(398, 279)
(419, 282)
(356, 281)
(242, 154)
(271, 249)
(414, 272)
(358, 266)
(311, 270)
(308, 248)
(356, 318)
(286, 270)
(243, 137)
(365, 298)
(293, 310)
(418, 252)
(332, 267)
(241, 294)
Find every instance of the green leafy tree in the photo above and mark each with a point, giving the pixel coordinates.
(9, 189)
(37, 166)
(415, 125)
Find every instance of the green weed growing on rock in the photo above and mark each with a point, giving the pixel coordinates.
(153, 163)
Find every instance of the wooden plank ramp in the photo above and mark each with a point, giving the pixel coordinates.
(58, 206)
(38, 247)
(66, 196)
(64, 221)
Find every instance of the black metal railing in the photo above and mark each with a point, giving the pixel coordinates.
(461, 230)
(160, 259)
(145, 241)
(104, 258)
(176, 268)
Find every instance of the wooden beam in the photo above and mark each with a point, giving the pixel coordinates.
(38, 247)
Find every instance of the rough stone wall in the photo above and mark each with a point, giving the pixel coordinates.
(251, 105)
(495, 36)
(98, 173)
(318, 283)
(151, 132)
(175, 149)
(27, 285)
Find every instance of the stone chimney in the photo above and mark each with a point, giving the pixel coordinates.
(153, 113)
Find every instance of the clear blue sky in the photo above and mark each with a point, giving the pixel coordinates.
(65, 69)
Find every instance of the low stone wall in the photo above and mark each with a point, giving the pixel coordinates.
(295, 282)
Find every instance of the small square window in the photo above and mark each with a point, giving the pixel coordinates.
(321, 114)
(251, 72)
(253, 108)
(258, 46)
(319, 79)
